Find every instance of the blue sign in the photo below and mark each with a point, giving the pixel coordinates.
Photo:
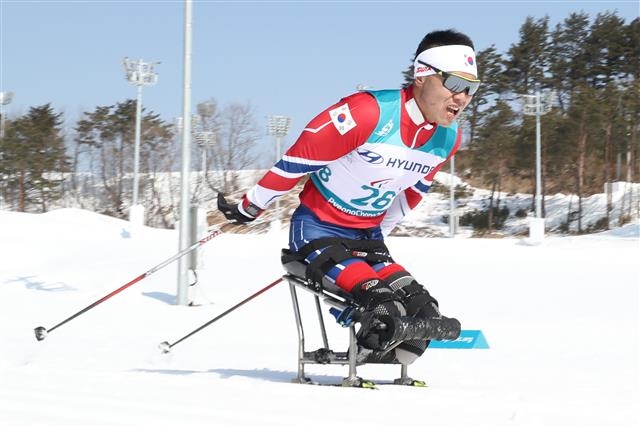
(468, 339)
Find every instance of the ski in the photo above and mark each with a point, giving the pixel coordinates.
(410, 382)
(363, 384)
(346, 382)
(368, 384)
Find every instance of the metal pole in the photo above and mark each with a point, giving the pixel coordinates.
(452, 200)
(278, 155)
(183, 264)
(278, 126)
(1, 120)
(538, 158)
(5, 99)
(136, 153)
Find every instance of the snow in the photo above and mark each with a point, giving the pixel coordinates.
(560, 210)
(625, 202)
(561, 319)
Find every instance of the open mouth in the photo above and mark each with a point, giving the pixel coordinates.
(453, 110)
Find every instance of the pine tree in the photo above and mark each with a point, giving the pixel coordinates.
(109, 135)
(33, 159)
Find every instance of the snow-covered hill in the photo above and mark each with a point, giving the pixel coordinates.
(430, 218)
(560, 318)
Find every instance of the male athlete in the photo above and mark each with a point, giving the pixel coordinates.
(371, 158)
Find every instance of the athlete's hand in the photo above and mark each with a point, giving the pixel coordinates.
(240, 213)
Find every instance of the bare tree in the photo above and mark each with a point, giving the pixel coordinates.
(236, 144)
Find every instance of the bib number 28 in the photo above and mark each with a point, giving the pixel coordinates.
(373, 198)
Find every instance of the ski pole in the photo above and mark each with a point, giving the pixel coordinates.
(42, 332)
(166, 347)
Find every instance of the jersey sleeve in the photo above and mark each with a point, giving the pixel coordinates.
(336, 131)
(412, 196)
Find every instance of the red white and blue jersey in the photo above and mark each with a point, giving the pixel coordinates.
(371, 157)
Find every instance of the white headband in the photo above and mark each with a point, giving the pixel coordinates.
(448, 58)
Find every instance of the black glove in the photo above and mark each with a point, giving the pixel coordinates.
(240, 213)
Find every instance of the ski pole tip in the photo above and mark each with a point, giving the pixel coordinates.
(165, 347)
(41, 333)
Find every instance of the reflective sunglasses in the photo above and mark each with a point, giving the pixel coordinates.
(454, 82)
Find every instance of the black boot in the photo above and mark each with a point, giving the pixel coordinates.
(414, 296)
(420, 304)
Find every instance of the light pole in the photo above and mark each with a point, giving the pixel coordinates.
(453, 217)
(278, 126)
(141, 74)
(204, 137)
(452, 199)
(538, 105)
(185, 222)
(5, 99)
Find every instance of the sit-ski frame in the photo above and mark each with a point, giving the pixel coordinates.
(325, 355)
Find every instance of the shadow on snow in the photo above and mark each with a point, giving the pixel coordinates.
(261, 374)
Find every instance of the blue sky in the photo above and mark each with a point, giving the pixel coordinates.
(291, 58)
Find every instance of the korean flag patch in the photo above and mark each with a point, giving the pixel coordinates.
(342, 119)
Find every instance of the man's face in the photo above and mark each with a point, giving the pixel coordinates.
(437, 103)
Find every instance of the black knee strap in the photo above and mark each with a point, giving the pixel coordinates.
(334, 251)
